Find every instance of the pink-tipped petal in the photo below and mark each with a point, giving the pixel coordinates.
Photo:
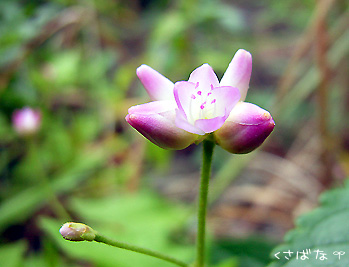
(158, 86)
(161, 129)
(248, 114)
(205, 76)
(153, 107)
(238, 73)
(245, 129)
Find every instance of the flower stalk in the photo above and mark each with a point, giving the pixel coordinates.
(145, 251)
(208, 147)
(72, 231)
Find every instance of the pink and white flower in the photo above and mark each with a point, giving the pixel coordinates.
(184, 112)
(26, 121)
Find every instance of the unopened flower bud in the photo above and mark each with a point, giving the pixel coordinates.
(77, 232)
(26, 121)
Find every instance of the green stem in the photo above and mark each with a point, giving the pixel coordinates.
(208, 147)
(149, 252)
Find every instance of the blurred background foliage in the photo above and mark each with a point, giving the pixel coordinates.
(76, 60)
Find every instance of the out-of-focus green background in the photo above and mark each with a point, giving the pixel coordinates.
(76, 60)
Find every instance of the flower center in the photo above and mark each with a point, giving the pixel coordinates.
(202, 105)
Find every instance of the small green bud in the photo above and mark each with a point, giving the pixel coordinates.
(77, 232)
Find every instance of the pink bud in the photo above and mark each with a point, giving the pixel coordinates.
(26, 121)
(77, 232)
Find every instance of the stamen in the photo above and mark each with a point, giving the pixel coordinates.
(213, 101)
(209, 93)
(193, 96)
(197, 85)
(203, 105)
(211, 86)
(199, 92)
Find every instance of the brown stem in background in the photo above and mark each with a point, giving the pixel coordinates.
(71, 20)
(321, 48)
(66, 18)
(136, 156)
(290, 74)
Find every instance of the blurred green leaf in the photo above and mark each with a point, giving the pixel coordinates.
(143, 219)
(233, 262)
(325, 229)
(158, 157)
(20, 206)
(252, 251)
(11, 255)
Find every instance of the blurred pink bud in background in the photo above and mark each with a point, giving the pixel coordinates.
(26, 121)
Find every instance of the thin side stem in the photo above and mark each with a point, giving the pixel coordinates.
(149, 252)
(207, 154)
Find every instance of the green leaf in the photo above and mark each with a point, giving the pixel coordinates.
(325, 229)
(233, 262)
(22, 205)
(143, 219)
(253, 251)
(11, 255)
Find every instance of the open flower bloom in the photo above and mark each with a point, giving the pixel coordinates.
(26, 121)
(184, 112)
